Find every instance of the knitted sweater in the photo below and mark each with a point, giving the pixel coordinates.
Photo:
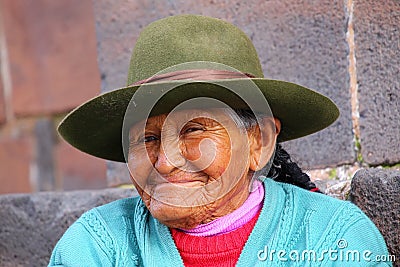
(295, 228)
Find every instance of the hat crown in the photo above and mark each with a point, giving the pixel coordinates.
(188, 38)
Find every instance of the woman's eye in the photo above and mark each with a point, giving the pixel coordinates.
(192, 129)
(150, 138)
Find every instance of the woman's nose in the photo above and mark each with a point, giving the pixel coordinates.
(169, 158)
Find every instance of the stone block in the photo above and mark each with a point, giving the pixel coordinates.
(298, 41)
(377, 40)
(16, 155)
(77, 170)
(31, 224)
(52, 55)
(377, 193)
(304, 42)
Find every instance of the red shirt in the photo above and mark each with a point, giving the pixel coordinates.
(218, 250)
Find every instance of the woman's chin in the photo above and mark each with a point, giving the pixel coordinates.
(185, 195)
(175, 216)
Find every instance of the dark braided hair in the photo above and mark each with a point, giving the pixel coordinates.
(282, 168)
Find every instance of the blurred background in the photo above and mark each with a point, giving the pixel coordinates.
(56, 54)
(49, 66)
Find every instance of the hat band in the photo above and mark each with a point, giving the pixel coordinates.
(195, 74)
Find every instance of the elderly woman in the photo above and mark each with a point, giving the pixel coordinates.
(199, 128)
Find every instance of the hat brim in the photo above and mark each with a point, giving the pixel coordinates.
(96, 127)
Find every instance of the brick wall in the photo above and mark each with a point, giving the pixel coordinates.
(48, 66)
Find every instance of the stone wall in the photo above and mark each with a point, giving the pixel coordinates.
(377, 39)
(31, 224)
(348, 50)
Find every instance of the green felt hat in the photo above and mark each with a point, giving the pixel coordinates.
(96, 127)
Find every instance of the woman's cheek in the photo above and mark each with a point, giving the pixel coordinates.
(220, 163)
(210, 155)
(189, 148)
(140, 164)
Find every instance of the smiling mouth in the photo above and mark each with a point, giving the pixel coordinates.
(184, 183)
(183, 179)
(191, 184)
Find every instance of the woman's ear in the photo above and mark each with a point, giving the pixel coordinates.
(263, 141)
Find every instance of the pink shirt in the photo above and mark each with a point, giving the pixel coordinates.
(234, 220)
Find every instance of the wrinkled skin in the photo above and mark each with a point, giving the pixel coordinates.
(192, 167)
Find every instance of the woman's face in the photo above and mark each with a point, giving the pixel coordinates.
(191, 167)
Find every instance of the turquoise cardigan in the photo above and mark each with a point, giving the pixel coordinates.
(295, 228)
